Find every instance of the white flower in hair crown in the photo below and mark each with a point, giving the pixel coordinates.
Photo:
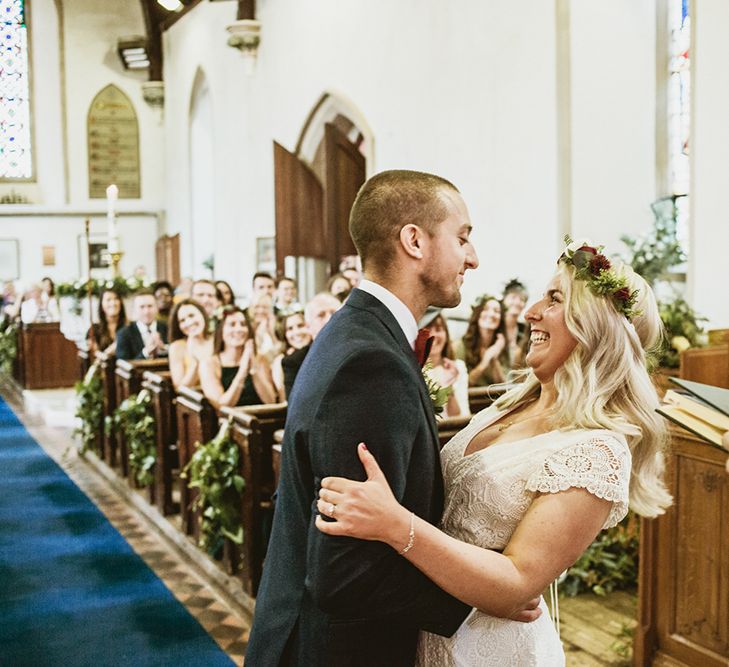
(592, 266)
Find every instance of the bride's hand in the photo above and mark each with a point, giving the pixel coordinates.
(365, 510)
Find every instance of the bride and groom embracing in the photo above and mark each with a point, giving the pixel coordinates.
(385, 550)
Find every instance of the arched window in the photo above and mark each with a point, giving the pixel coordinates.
(15, 148)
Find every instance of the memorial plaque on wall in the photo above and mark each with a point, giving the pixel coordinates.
(113, 145)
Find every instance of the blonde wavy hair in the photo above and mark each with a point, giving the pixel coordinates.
(604, 384)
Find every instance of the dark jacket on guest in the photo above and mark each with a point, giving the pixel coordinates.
(290, 364)
(337, 601)
(129, 342)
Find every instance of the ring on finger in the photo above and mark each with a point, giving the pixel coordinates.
(332, 509)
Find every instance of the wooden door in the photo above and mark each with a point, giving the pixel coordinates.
(345, 172)
(167, 251)
(299, 206)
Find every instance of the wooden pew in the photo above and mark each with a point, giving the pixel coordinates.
(276, 454)
(480, 398)
(128, 381)
(253, 431)
(46, 358)
(197, 422)
(159, 385)
(709, 365)
(107, 364)
(683, 610)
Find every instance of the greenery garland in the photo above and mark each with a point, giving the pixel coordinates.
(90, 407)
(610, 563)
(8, 347)
(134, 419)
(683, 330)
(213, 471)
(79, 289)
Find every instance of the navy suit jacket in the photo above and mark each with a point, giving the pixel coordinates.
(129, 343)
(339, 601)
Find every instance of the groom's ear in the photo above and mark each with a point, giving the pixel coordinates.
(411, 239)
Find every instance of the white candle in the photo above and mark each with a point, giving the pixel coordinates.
(112, 193)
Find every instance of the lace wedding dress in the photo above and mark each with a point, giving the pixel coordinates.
(487, 494)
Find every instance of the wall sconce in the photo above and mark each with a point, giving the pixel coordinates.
(245, 35)
(153, 93)
(133, 53)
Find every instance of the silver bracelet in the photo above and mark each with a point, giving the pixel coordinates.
(411, 536)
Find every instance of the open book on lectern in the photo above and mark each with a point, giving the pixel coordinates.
(701, 409)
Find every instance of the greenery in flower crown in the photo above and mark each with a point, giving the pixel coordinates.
(122, 286)
(596, 270)
(134, 418)
(213, 471)
(439, 395)
(8, 346)
(90, 408)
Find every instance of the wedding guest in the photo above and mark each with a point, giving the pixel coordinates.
(339, 286)
(286, 296)
(446, 370)
(263, 283)
(263, 321)
(48, 287)
(10, 301)
(145, 338)
(190, 343)
(163, 296)
(516, 332)
(236, 374)
(38, 307)
(227, 296)
(483, 347)
(112, 317)
(295, 333)
(317, 313)
(351, 268)
(206, 294)
(183, 290)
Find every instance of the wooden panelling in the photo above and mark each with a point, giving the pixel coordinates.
(709, 365)
(46, 358)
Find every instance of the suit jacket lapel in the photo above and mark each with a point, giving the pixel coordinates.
(365, 301)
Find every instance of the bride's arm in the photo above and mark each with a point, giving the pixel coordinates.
(556, 529)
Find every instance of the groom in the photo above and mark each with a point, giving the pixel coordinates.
(339, 601)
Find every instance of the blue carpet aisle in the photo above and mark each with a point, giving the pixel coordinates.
(73, 591)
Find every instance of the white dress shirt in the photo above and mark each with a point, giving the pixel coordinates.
(146, 330)
(399, 310)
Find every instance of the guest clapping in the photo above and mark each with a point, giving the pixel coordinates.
(296, 335)
(515, 332)
(445, 369)
(207, 295)
(263, 320)
(112, 317)
(191, 344)
(484, 344)
(146, 337)
(236, 374)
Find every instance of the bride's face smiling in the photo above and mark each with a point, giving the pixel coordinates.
(551, 342)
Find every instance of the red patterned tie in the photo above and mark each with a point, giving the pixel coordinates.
(423, 343)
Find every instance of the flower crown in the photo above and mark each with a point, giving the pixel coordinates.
(594, 268)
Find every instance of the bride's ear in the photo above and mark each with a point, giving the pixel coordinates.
(411, 239)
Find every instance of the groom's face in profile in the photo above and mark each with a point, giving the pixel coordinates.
(451, 254)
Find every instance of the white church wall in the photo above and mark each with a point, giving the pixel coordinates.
(710, 167)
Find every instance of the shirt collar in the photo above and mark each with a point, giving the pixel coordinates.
(399, 310)
(143, 327)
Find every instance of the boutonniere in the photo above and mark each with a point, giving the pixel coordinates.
(439, 395)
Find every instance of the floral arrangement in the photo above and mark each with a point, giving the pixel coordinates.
(438, 395)
(134, 418)
(596, 269)
(79, 289)
(683, 330)
(8, 346)
(90, 408)
(213, 471)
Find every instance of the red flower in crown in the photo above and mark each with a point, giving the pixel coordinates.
(598, 264)
(622, 295)
(588, 248)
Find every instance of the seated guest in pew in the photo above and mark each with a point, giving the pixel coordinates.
(286, 297)
(295, 333)
(516, 332)
(145, 338)
(263, 320)
(483, 347)
(190, 343)
(316, 314)
(112, 318)
(207, 295)
(37, 306)
(163, 295)
(339, 286)
(227, 296)
(445, 369)
(263, 283)
(236, 375)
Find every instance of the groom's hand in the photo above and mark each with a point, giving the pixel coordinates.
(531, 612)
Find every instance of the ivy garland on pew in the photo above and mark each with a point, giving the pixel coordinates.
(213, 471)
(90, 407)
(8, 346)
(609, 564)
(134, 418)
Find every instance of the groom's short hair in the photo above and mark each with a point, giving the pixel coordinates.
(386, 203)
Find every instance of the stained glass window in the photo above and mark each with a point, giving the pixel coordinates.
(15, 153)
(679, 116)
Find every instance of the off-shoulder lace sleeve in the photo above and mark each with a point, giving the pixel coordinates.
(600, 464)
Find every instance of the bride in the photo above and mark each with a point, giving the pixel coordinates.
(532, 479)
